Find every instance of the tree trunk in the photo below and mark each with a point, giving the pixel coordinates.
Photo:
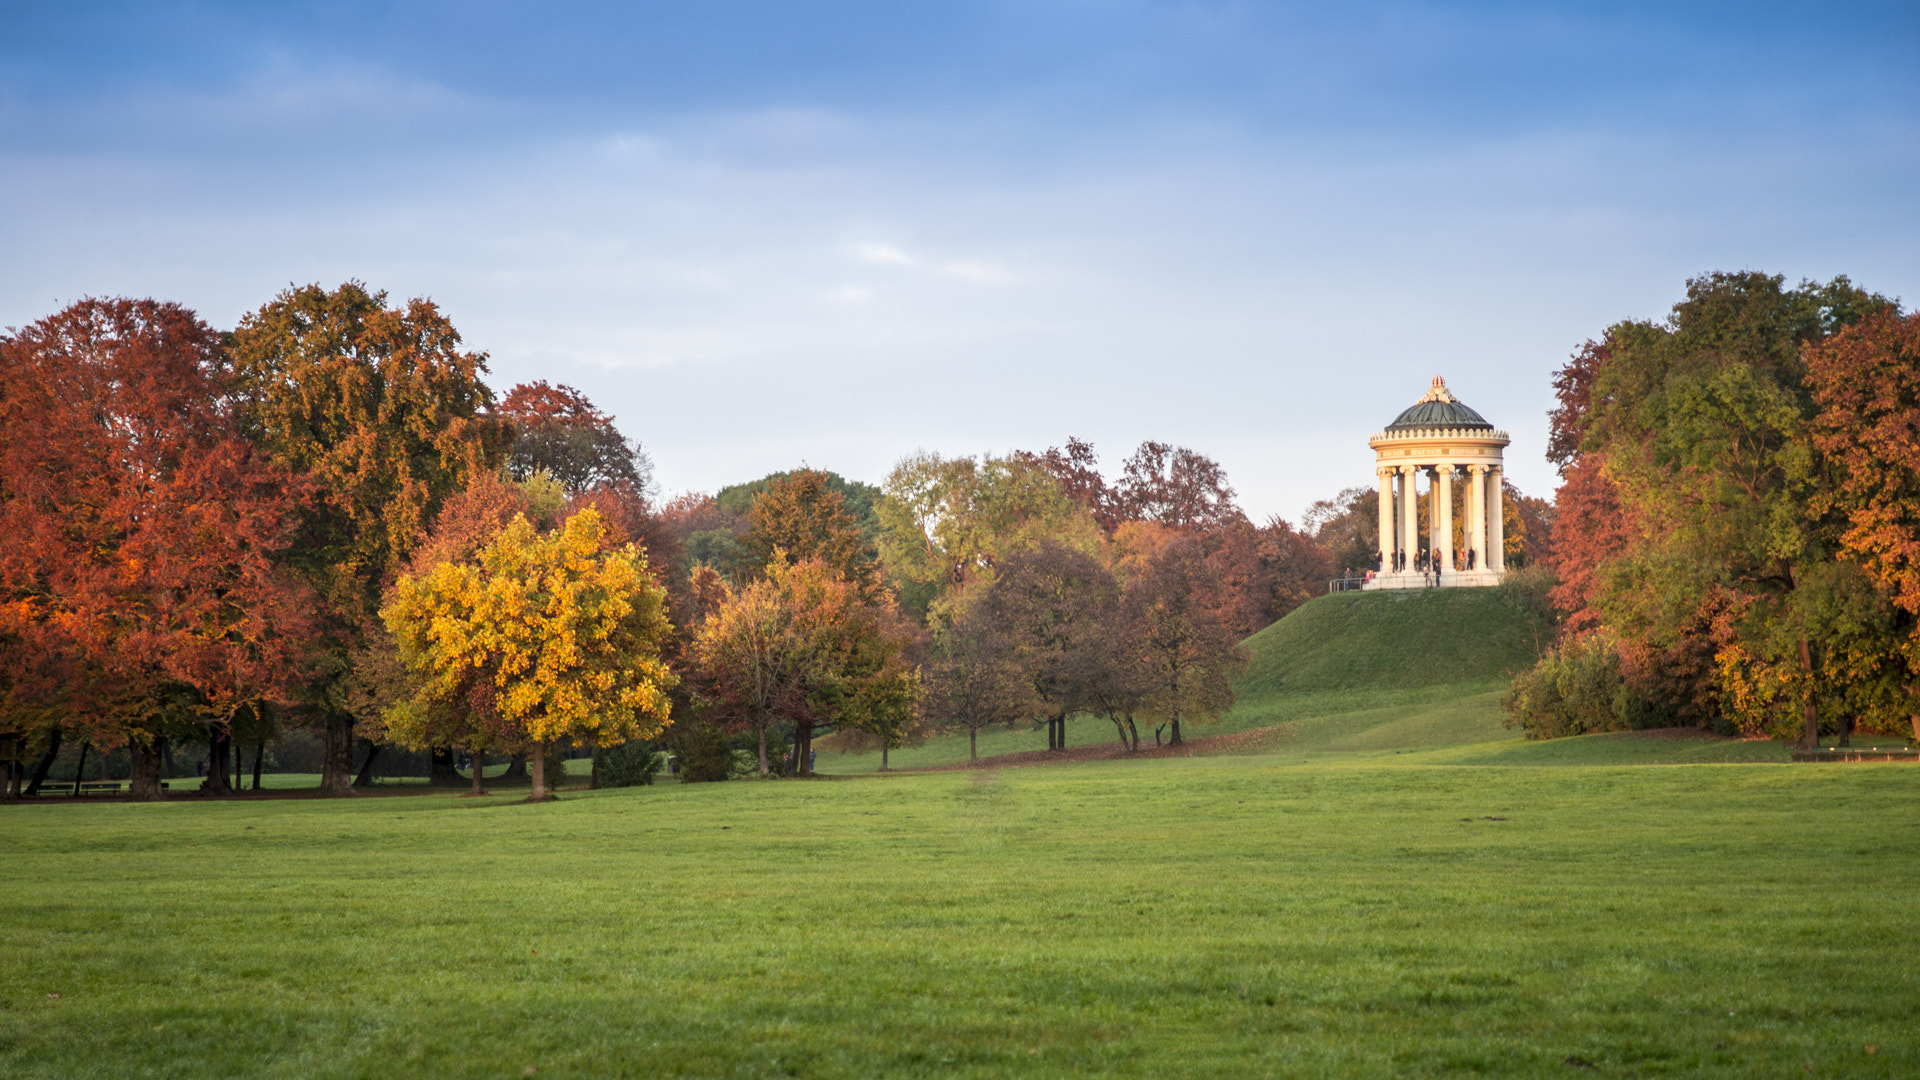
(479, 769)
(803, 749)
(1174, 739)
(593, 778)
(1915, 720)
(80, 767)
(166, 758)
(366, 767)
(973, 742)
(145, 775)
(219, 749)
(53, 751)
(259, 751)
(539, 774)
(883, 755)
(442, 770)
(1136, 734)
(1063, 731)
(336, 771)
(7, 793)
(1846, 731)
(1810, 738)
(763, 749)
(516, 768)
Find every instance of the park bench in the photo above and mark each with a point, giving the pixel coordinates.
(89, 787)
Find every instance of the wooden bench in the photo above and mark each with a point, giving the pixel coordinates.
(89, 787)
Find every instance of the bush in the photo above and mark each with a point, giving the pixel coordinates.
(631, 764)
(702, 752)
(1576, 689)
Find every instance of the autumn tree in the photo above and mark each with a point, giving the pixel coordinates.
(1175, 486)
(1076, 468)
(974, 679)
(140, 577)
(1187, 655)
(1866, 386)
(1048, 601)
(556, 429)
(946, 523)
(548, 637)
(385, 415)
(802, 645)
(1699, 430)
(800, 513)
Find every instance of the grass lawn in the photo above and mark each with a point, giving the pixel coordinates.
(1292, 915)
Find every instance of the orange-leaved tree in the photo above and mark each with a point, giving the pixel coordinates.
(542, 638)
(805, 646)
(139, 584)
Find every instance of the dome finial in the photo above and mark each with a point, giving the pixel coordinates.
(1438, 391)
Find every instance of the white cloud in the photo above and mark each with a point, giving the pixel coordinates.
(882, 253)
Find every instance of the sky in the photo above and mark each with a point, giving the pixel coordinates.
(767, 234)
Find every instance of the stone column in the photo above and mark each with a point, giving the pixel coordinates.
(1386, 517)
(1410, 509)
(1497, 523)
(1444, 528)
(1477, 516)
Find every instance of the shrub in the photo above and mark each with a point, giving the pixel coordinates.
(702, 752)
(1577, 688)
(631, 764)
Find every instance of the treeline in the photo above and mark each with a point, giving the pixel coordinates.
(324, 519)
(1737, 540)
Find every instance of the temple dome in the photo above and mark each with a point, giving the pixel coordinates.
(1439, 409)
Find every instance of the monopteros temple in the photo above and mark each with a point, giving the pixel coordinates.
(1450, 447)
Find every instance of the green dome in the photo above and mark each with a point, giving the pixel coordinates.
(1439, 409)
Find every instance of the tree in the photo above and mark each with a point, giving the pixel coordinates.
(947, 523)
(1176, 486)
(1689, 521)
(1048, 602)
(381, 411)
(551, 637)
(805, 646)
(752, 660)
(1187, 656)
(975, 680)
(1866, 385)
(800, 514)
(139, 576)
(1077, 470)
(556, 429)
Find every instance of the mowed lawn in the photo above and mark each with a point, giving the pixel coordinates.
(1227, 916)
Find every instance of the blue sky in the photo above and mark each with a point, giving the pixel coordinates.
(768, 233)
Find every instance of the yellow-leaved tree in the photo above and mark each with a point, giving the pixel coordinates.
(540, 637)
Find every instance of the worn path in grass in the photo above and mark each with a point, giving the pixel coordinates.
(1227, 916)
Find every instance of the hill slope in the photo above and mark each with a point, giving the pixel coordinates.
(1385, 671)
(1392, 640)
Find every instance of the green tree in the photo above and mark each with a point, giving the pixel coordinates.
(946, 523)
(381, 410)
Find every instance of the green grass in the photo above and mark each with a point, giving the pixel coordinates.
(1229, 916)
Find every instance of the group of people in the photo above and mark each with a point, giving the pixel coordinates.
(1425, 562)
